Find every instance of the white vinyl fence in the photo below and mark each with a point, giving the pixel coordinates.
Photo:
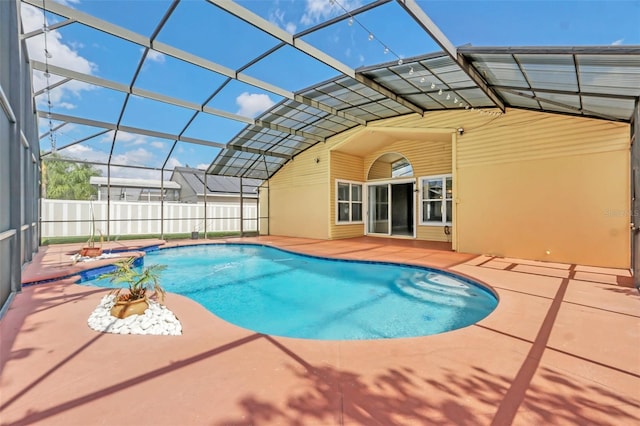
(70, 218)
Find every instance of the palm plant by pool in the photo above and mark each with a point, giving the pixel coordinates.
(138, 282)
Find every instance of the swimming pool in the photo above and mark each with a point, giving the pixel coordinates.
(276, 292)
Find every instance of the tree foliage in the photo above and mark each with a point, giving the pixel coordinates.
(65, 180)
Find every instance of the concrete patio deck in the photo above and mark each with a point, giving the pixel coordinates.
(562, 347)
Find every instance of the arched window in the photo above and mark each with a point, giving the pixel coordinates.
(390, 165)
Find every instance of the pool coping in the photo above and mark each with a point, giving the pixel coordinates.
(82, 273)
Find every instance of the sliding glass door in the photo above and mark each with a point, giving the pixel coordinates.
(378, 209)
(390, 208)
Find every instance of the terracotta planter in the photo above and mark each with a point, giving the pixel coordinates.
(126, 308)
(91, 251)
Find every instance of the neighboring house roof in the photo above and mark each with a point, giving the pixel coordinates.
(216, 185)
(134, 183)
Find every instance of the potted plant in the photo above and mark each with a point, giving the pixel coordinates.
(138, 282)
(90, 250)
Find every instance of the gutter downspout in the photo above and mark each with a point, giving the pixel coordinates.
(109, 201)
(241, 209)
(454, 183)
(162, 203)
(205, 204)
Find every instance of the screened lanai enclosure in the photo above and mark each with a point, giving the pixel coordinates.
(172, 119)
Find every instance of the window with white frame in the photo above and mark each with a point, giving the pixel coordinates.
(436, 200)
(349, 202)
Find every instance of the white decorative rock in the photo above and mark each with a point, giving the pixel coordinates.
(157, 320)
(77, 258)
(146, 324)
(128, 321)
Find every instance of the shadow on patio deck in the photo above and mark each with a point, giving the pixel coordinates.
(557, 350)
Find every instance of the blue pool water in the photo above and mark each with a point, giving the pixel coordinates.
(281, 293)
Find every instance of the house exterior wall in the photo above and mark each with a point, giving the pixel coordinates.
(344, 167)
(187, 194)
(298, 196)
(545, 187)
(263, 209)
(379, 170)
(526, 184)
(427, 158)
(553, 209)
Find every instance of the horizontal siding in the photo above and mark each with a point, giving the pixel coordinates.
(347, 231)
(346, 167)
(426, 157)
(263, 205)
(299, 211)
(513, 151)
(379, 170)
(298, 195)
(340, 138)
(432, 233)
(519, 135)
(566, 209)
(303, 169)
(526, 136)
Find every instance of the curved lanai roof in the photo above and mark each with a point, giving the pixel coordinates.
(128, 105)
(591, 82)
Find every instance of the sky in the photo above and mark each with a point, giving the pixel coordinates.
(383, 34)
